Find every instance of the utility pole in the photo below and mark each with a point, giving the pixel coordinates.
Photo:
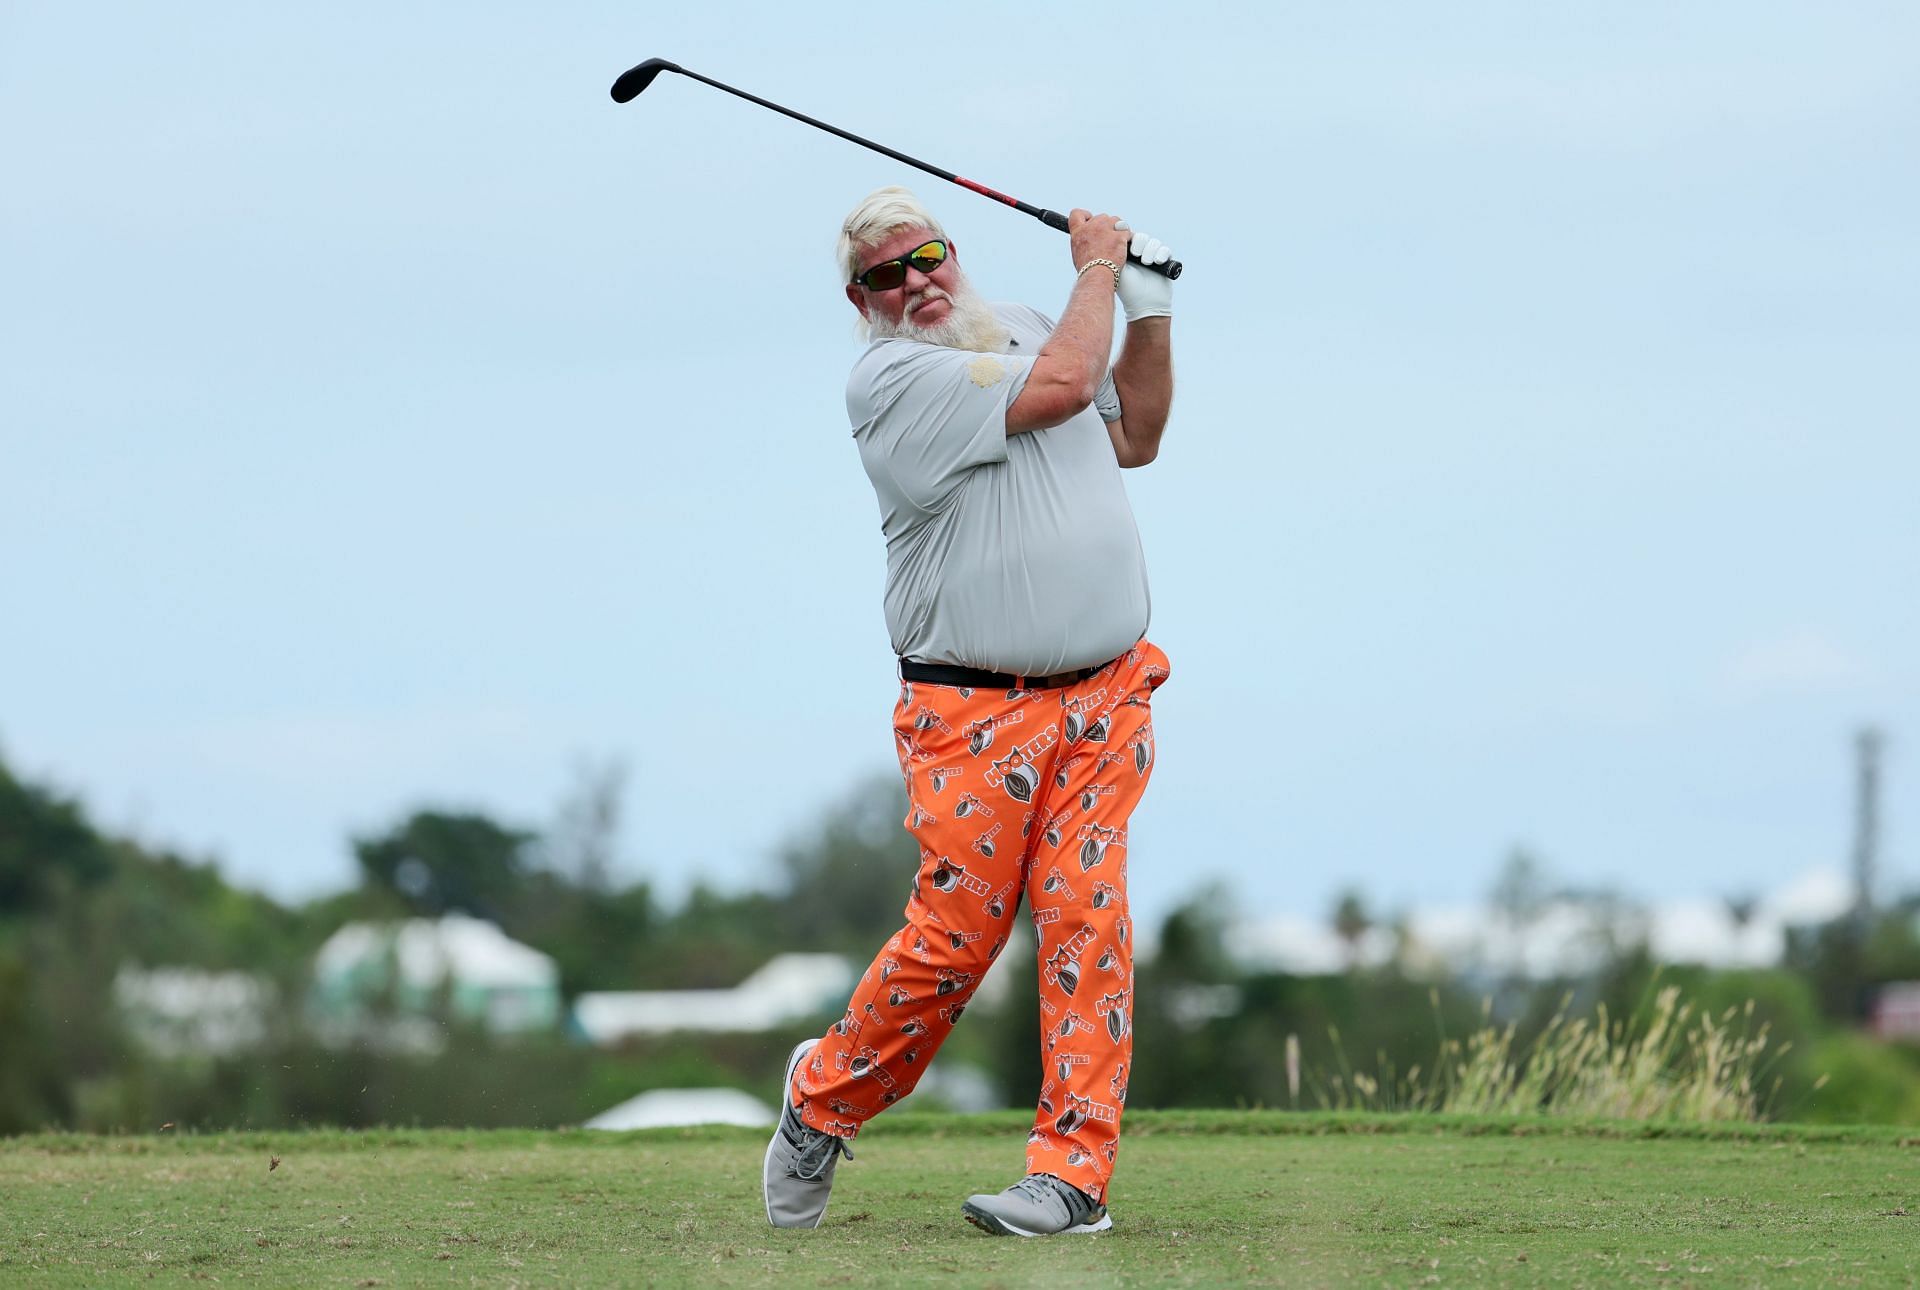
(1866, 826)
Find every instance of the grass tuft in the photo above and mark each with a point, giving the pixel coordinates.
(1680, 1064)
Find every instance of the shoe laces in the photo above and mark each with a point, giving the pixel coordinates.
(817, 1154)
(1041, 1188)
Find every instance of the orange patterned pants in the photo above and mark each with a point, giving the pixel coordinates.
(1010, 792)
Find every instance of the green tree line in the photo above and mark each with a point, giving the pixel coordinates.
(77, 905)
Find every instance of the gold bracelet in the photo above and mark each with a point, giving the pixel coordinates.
(1108, 263)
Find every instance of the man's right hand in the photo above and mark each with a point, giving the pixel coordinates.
(1096, 237)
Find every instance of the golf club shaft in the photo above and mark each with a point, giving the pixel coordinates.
(638, 78)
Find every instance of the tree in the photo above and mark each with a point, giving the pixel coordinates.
(1520, 893)
(846, 883)
(1351, 922)
(582, 841)
(440, 863)
(46, 847)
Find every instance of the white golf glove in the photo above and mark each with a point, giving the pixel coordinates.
(1144, 293)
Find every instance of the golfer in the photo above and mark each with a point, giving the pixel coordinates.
(1016, 597)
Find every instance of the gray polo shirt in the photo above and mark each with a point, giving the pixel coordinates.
(1015, 553)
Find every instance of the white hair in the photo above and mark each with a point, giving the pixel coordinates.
(970, 324)
(880, 214)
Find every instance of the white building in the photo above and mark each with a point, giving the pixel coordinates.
(408, 968)
(790, 987)
(180, 1012)
(1565, 937)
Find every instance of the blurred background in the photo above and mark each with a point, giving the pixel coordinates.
(442, 604)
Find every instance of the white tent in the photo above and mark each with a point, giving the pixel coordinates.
(664, 1108)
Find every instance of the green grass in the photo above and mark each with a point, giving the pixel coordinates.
(1200, 1199)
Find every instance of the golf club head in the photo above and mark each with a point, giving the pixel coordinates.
(636, 79)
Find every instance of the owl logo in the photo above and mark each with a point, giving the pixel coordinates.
(1064, 969)
(1108, 960)
(1018, 776)
(1118, 1084)
(1075, 723)
(1104, 894)
(1075, 1114)
(947, 875)
(1142, 750)
(979, 735)
(1051, 831)
(913, 1026)
(952, 982)
(1114, 1008)
(898, 995)
(867, 1062)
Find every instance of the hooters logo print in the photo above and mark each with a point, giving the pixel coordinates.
(1016, 773)
(1142, 745)
(950, 875)
(1077, 721)
(1114, 1008)
(1051, 829)
(1017, 776)
(1009, 797)
(1094, 841)
(970, 805)
(980, 733)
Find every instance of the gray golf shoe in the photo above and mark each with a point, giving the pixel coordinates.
(1037, 1205)
(797, 1176)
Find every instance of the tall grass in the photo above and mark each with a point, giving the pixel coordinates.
(1679, 1064)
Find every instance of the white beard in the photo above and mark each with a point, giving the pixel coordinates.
(970, 322)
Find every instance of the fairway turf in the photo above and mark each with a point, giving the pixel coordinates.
(1200, 1199)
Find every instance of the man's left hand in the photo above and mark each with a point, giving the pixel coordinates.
(1144, 293)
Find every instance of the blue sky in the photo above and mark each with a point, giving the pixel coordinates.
(388, 419)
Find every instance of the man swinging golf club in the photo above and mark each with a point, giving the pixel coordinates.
(1016, 597)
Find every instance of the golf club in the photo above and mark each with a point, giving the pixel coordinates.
(635, 79)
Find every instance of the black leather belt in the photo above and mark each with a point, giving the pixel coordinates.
(980, 679)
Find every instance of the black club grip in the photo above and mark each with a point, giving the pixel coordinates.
(1171, 270)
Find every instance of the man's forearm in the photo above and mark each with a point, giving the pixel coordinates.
(1083, 337)
(1144, 380)
(1066, 374)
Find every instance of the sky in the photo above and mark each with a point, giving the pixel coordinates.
(389, 420)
